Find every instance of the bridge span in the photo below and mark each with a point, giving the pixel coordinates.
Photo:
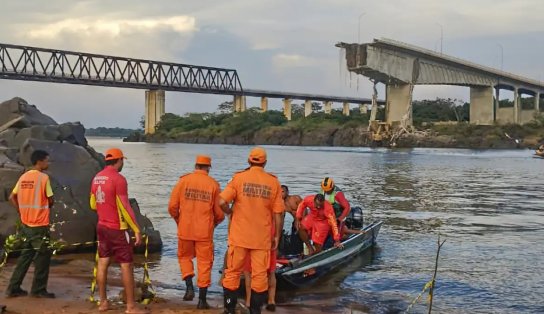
(69, 67)
(401, 66)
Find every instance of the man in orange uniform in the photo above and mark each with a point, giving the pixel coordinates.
(109, 197)
(33, 197)
(194, 205)
(257, 206)
(318, 222)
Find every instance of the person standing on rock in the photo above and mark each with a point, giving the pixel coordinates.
(109, 197)
(194, 205)
(258, 206)
(33, 197)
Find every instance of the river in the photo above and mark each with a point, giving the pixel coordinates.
(487, 205)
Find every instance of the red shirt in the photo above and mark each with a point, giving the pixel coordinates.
(109, 197)
(325, 213)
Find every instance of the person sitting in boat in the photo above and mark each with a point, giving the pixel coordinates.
(318, 223)
(334, 195)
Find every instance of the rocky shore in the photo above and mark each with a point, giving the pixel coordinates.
(23, 129)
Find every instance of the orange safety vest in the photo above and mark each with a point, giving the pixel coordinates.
(32, 198)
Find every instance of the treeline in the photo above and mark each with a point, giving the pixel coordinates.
(224, 123)
(109, 132)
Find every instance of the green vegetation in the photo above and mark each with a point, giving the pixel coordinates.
(109, 132)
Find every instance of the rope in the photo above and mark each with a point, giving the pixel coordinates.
(427, 286)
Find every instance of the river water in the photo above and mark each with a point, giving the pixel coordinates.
(488, 205)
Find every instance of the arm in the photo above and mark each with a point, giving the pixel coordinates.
(124, 207)
(13, 200)
(49, 193)
(173, 204)
(278, 210)
(218, 214)
(331, 219)
(227, 196)
(341, 199)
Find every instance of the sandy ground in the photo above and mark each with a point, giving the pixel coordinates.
(70, 280)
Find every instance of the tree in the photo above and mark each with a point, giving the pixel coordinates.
(226, 107)
(142, 122)
(316, 106)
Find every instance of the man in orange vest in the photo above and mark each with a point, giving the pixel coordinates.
(258, 206)
(33, 197)
(109, 197)
(194, 205)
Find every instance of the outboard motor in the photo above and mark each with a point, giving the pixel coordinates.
(355, 220)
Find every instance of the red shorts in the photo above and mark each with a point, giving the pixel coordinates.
(114, 243)
(319, 229)
(271, 266)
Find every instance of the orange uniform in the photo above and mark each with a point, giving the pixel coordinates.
(194, 205)
(257, 197)
(33, 190)
(319, 221)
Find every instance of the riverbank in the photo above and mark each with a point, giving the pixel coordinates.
(461, 135)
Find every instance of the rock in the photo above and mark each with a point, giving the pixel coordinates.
(135, 137)
(7, 137)
(39, 132)
(155, 242)
(8, 218)
(17, 107)
(73, 133)
(9, 178)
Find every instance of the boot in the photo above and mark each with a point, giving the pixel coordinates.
(230, 301)
(257, 301)
(202, 303)
(190, 290)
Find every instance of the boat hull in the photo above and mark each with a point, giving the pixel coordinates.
(307, 271)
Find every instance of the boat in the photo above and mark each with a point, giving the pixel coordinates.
(539, 152)
(305, 270)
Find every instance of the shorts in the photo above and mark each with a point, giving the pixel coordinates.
(271, 266)
(114, 243)
(319, 229)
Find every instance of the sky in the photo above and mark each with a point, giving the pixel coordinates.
(282, 45)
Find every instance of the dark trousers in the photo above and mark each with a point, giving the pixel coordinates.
(35, 249)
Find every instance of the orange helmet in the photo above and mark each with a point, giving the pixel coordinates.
(327, 184)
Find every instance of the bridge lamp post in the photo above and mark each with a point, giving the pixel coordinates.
(441, 36)
(359, 28)
(502, 55)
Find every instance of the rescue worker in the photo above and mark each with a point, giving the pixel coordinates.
(194, 205)
(33, 197)
(109, 197)
(334, 195)
(257, 207)
(291, 201)
(318, 223)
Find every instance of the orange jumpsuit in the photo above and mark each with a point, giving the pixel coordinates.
(257, 197)
(194, 205)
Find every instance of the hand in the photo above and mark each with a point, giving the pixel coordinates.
(138, 236)
(275, 242)
(297, 224)
(338, 244)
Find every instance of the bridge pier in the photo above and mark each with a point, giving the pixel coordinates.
(537, 102)
(517, 104)
(307, 108)
(345, 109)
(154, 109)
(363, 108)
(239, 103)
(264, 104)
(328, 107)
(397, 99)
(481, 105)
(287, 108)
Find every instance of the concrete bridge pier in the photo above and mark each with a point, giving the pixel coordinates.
(481, 105)
(528, 115)
(328, 107)
(239, 103)
(307, 108)
(154, 109)
(363, 108)
(287, 108)
(345, 109)
(264, 104)
(537, 102)
(397, 99)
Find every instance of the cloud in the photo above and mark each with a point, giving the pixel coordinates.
(293, 60)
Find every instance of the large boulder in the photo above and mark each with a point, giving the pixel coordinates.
(18, 107)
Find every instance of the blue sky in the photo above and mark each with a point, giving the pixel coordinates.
(276, 44)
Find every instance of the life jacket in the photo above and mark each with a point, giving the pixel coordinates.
(331, 198)
(32, 199)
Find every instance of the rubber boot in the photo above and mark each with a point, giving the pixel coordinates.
(202, 303)
(257, 301)
(230, 301)
(190, 290)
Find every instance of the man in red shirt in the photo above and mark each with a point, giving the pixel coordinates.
(318, 222)
(109, 197)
